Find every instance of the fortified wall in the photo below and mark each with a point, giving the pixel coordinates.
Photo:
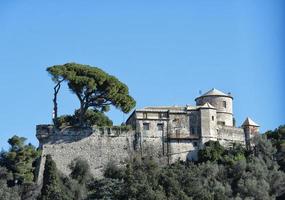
(98, 146)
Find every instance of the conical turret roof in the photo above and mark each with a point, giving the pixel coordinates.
(207, 105)
(249, 122)
(215, 92)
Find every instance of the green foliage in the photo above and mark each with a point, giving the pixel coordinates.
(277, 137)
(234, 154)
(93, 87)
(19, 160)
(141, 180)
(91, 118)
(207, 181)
(51, 189)
(80, 170)
(7, 193)
(106, 189)
(72, 189)
(212, 151)
(113, 171)
(65, 121)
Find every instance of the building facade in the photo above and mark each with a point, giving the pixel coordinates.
(187, 128)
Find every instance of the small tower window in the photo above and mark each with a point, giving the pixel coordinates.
(162, 115)
(160, 127)
(225, 104)
(213, 118)
(146, 126)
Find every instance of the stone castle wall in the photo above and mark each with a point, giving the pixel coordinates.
(228, 135)
(97, 146)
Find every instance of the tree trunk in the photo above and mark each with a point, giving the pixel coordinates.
(81, 112)
(55, 107)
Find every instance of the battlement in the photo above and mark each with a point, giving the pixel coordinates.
(49, 134)
(227, 135)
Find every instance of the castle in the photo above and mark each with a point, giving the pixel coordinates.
(169, 133)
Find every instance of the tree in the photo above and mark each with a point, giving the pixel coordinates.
(277, 137)
(93, 87)
(19, 160)
(57, 80)
(80, 170)
(90, 118)
(7, 193)
(212, 151)
(51, 182)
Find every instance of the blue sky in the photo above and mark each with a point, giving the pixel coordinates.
(165, 51)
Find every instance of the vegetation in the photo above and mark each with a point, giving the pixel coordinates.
(227, 174)
(94, 88)
(90, 118)
(51, 183)
(19, 161)
(277, 137)
(220, 173)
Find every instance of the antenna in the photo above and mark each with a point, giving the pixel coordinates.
(200, 92)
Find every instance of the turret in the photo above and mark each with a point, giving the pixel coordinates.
(222, 102)
(251, 129)
(208, 122)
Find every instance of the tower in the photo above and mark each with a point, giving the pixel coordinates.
(251, 129)
(222, 102)
(208, 115)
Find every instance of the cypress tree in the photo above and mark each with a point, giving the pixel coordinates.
(51, 189)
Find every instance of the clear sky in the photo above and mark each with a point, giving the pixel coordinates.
(165, 51)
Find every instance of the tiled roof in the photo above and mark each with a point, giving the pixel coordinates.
(207, 105)
(215, 92)
(249, 122)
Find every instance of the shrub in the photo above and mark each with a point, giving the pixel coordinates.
(80, 170)
(90, 118)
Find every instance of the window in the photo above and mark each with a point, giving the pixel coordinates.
(221, 123)
(160, 127)
(162, 115)
(192, 129)
(213, 118)
(225, 104)
(199, 129)
(146, 126)
(195, 144)
(193, 118)
(145, 115)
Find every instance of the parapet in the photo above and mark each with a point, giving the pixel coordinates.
(49, 134)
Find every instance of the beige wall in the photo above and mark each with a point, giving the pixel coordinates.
(223, 114)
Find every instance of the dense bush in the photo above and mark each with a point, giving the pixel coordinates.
(90, 118)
